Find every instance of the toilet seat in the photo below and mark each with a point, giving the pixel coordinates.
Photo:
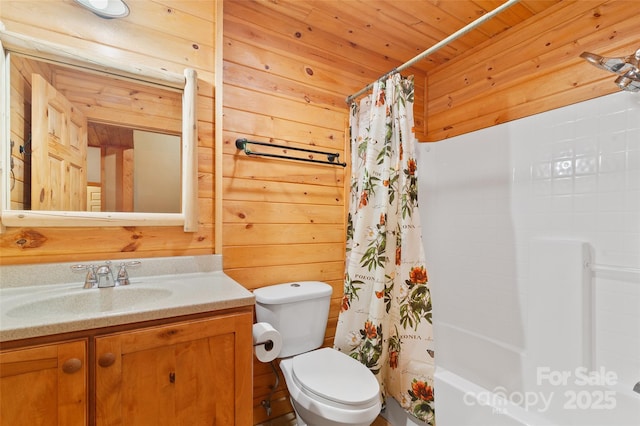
(335, 378)
(306, 394)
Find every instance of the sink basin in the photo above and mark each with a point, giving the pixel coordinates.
(115, 299)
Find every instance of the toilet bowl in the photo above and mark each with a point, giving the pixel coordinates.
(326, 386)
(329, 388)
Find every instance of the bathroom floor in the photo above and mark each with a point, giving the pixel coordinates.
(288, 420)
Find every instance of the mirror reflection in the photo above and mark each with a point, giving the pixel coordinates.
(86, 141)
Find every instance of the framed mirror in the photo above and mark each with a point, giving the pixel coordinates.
(90, 143)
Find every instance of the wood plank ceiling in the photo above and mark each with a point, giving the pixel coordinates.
(399, 30)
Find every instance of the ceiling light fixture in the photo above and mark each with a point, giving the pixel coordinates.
(627, 67)
(106, 8)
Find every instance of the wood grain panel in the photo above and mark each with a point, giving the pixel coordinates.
(283, 220)
(274, 254)
(239, 75)
(30, 245)
(309, 73)
(242, 166)
(242, 124)
(309, 49)
(491, 87)
(37, 388)
(284, 192)
(119, 39)
(275, 274)
(280, 213)
(169, 35)
(192, 372)
(287, 35)
(263, 104)
(20, 111)
(283, 234)
(498, 56)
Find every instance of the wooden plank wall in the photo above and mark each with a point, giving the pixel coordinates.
(533, 68)
(109, 101)
(282, 220)
(20, 101)
(160, 34)
(286, 83)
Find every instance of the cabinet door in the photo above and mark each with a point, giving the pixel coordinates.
(44, 385)
(189, 373)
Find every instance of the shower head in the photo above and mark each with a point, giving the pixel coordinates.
(628, 67)
(630, 81)
(616, 65)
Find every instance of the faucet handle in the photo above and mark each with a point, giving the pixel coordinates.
(91, 280)
(123, 275)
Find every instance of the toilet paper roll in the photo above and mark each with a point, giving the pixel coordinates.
(267, 342)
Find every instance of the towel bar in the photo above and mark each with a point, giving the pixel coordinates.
(332, 158)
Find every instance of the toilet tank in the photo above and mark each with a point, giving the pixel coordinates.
(298, 310)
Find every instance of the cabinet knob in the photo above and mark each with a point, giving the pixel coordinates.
(106, 360)
(72, 365)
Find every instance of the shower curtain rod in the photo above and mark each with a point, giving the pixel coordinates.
(436, 46)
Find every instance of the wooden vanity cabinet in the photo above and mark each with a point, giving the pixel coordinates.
(44, 385)
(188, 373)
(194, 371)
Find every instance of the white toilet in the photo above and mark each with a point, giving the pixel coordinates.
(327, 387)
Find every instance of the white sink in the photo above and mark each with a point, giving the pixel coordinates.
(116, 299)
(163, 287)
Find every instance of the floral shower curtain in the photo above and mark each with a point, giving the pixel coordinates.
(385, 318)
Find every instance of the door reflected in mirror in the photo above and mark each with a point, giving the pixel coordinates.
(88, 141)
(132, 170)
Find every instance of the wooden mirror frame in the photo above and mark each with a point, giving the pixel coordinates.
(39, 49)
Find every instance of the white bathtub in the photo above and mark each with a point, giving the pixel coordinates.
(460, 402)
(397, 416)
(570, 357)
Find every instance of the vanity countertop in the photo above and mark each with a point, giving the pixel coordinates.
(28, 311)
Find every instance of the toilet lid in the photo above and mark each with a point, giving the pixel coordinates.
(335, 376)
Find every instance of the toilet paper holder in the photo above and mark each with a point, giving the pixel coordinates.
(268, 344)
(266, 403)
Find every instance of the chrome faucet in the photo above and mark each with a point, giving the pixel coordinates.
(105, 275)
(102, 276)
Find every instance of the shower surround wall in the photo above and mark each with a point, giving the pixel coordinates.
(567, 174)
